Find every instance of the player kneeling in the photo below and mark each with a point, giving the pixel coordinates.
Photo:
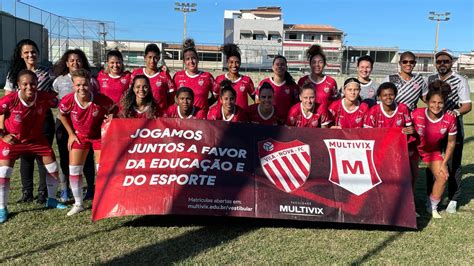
(82, 114)
(24, 117)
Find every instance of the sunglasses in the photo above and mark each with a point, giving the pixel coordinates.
(411, 62)
(439, 62)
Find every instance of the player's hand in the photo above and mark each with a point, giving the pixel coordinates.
(443, 171)
(408, 130)
(10, 139)
(71, 141)
(108, 118)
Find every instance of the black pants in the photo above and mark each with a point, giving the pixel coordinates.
(27, 162)
(455, 175)
(89, 166)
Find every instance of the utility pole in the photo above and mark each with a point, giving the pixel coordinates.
(102, 33)
(438, 17)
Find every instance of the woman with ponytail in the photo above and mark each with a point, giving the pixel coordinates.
(285, 89)
(324, 85)
(200, 82)
(433, 126)
(243, 85)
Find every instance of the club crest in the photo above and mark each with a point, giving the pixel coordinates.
(286, 164)
(352, 165)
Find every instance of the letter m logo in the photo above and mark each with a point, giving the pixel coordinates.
(352, 167)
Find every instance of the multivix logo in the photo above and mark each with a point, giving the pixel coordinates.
(352, 165)
(301, 210)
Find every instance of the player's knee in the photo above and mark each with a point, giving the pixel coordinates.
(6, 171)
(76, 169)
(51, 168)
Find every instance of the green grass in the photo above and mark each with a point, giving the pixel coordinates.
(35, 235)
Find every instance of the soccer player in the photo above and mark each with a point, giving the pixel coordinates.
(325, 86)
(184, 107)
(162, 86)
(264, 112)
(284, 86)
(389, 114)
(243, 85)
(114, 81)
(82, 113)
(24, 112)
(138, 101)
(308, 113)
(25, 56)
(70, 61)
(349, 112)
(411, 87)
(433, 125)
(458, 103)
(200, 82)
(226, 109)
(368, 86)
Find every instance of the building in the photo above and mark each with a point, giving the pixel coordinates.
(299, 37)
(258, 32)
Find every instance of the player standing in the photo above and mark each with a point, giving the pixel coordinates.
(285, 89)
(162, 86)
(114, 81)
(200, 82)
(411, 87)
(138, 101)
(325, 86)
(243, 85)
(368, 86)
(184, 107)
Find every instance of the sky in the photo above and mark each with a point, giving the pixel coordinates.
(386, 23)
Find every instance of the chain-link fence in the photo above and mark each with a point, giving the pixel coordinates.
(53, 33)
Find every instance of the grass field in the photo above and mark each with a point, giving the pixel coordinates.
(33, 235)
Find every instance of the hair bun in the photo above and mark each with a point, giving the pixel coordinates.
(188, 44)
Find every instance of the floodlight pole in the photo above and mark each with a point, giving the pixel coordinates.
(438, 17)
(185, 8)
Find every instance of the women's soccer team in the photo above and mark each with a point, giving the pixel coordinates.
(86, 103)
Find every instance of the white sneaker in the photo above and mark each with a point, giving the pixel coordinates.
(435, 214)
(75, 209)
(452, 206)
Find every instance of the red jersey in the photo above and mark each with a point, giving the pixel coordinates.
(113, 87)
(26, 120)
(215, 113)
(201, 84)
(345, 118)
(86, 120)
(255, 117)
(432, 132)
(378, 118)
(173, 112)
(297, 118)
(161, 85)
(326, 89)
(284, 96)
(243, 86)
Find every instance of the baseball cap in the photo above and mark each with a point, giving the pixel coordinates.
(445, 52)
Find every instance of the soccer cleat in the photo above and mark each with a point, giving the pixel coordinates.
(41, 198)
(26, 197)
(64, 196)
(3, 215)
(89, 194)
(54, 204)
(75, 209)
(435, 214)
(452, 207)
